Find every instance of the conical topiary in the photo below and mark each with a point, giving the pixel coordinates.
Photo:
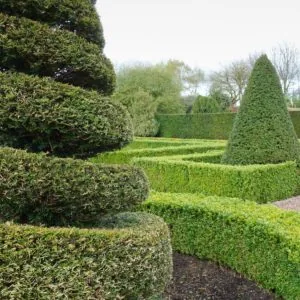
(263, 131)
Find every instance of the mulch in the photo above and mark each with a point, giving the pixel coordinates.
(200, 279)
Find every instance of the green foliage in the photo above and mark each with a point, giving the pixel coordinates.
(260, 241)
(53, 191)
(204, 104)
(131, 259)
(126, 155)
(221, 98)
(39, 114)
(205, 126)
(156, 80)
(201, 126)
(142, 108)
(30, 47)
(142, 142)
(262, 132)
(78, 16)
(260, 183)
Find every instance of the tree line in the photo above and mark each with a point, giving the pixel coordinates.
(175, 88)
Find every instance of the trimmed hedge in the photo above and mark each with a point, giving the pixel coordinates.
(262, 131)
(260, 183)
(201, 126)
(40, 114)
(34, 48)
(260, 241)
(125, 156)
(146, 142)
(77, 16)
(37, 189)
(130, 260)
(205, 126)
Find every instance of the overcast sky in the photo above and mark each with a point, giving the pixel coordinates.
(202, 33)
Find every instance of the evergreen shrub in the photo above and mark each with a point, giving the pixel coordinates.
(129, 259)
(263, 131)
(78, 16)
(259, 241)
(40, 114)
(260, 183)
(125, 156)
(54, 191)
(34, 48)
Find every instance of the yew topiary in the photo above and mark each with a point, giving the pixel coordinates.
(263, 131)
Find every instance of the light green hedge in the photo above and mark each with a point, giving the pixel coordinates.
(130, 259)
(205, 126)
(126, 155)
(261, 183)
(260, 241)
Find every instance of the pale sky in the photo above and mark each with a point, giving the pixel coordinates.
(202, 33)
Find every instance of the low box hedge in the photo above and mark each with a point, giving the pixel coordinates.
(260, 183)
(37, 189)
(143, 143)
(126, 155)
(130, 259)
(259, 241)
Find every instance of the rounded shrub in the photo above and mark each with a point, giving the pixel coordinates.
(34, 48)
(37, 189)
(39, 114)
(130, 259)
(204, 104)
(263, 131)
(78, 16)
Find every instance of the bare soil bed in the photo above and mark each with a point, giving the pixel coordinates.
(199, 279)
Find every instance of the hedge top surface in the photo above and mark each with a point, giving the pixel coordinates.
(263, 131)
(284, 223)
(78, 16)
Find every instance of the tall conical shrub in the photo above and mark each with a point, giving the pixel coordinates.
(263, 131)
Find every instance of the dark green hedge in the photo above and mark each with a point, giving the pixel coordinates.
(124, 156)
(260, 183)
(78, 16)
(39, 114)
(30, 47)
(37, 189)
(132, 261)
(260, 241)
(205, 126)
(262, 131)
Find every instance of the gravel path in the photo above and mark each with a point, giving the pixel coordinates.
(289, 204)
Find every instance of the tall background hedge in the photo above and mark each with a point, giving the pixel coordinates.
(205, 126)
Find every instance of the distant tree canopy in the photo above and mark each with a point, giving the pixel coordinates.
(205, 104)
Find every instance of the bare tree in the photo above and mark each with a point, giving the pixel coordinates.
(232, 80)
(285, 58)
